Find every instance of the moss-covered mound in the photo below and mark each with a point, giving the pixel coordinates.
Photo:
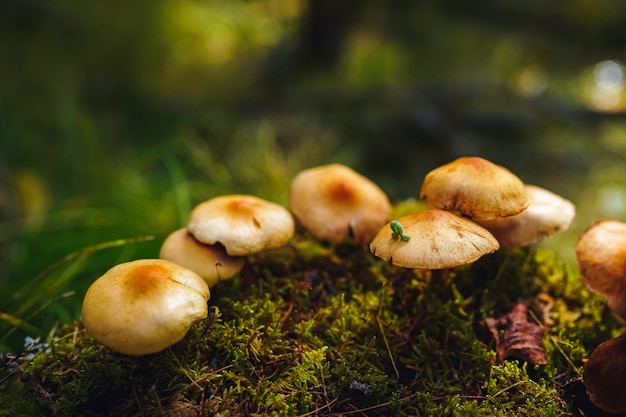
(312, 330)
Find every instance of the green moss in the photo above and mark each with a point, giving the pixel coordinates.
(322, 330)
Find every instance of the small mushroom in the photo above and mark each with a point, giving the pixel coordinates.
(601, 259)
(476, 188)
(335, 203)
(548, 213)
(211, 262)
(604, 375)
(243, 224)
(144, 306)
(435, 239)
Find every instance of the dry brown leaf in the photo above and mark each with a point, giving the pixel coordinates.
(516, 337)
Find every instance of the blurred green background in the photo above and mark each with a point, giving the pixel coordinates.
(117, 118)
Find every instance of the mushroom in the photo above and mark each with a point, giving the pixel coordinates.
(211, 262)
(601, 259)
(604, 375)
(144, 306)
(476, 188)
(433, 239)
(243, 224)
(548, 213)
(335, 203)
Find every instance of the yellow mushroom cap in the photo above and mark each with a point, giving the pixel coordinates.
(601, 259)
(604, 375)
(211, 262)
(335, 203)
(439, 239)
(243, 224)
(475, 187)
(144, 306)
(548, 213)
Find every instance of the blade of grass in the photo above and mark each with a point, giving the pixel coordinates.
(16, 322)
(72, 256)
(48, 292)
(31, 329)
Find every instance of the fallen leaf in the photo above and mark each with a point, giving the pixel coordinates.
(516, 337)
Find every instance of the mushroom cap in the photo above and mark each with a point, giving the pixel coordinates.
(439, 239)
(211, 262)
(548, 213)
(144, 306)
(335, 203)
(601, 259)
(243, 224)
(475, 187)
(604, 375)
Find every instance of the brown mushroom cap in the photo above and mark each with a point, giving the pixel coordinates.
(601, 259)
(439, 239)
(475, 187)
(144, 306)
(243, 224)
(604, 375)
(335, 203)
(211, 262)
(548, 213)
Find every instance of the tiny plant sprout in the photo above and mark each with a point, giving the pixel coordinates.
(144, 306)
(397, 231)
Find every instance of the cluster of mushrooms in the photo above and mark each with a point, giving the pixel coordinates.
(144, 306)
(474, 207)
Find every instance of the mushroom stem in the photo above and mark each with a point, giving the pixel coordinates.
(436, 277)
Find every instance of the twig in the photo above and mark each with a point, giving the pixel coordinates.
(194, 382)
(373, 407)
(503, 390)
(138, 401)
(555, 342)
(324, 387)
(318, 409)
(382, 333)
